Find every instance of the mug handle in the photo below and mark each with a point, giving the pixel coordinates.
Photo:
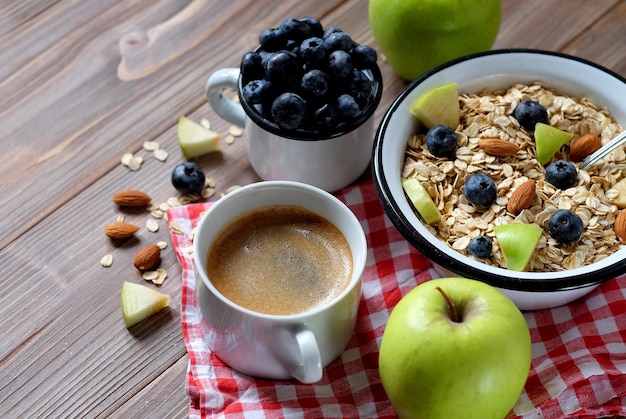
(310, 369)
(224, 107)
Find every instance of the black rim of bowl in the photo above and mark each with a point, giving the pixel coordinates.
(433, 253)
(306, 135)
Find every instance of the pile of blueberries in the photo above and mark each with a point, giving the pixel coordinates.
(304, 77)
(480, 190)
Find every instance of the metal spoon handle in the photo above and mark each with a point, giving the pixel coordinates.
(604, 150)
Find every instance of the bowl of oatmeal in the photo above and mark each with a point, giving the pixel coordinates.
(580, 98)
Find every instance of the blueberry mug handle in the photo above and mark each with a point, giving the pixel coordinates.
(227, 109)
(309, 370)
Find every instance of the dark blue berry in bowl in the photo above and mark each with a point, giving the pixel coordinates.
(256, 92)
(347, 107)
(562, 174)
(314, 25)
(480, 246)
(565, 226)
(252, 66)
(315, 84)
(314, 51)
(479, 189)
(339, 41)
(364, 56)
(188, 178)
(294, 30)
(528, 113)
(360, 87)
(271, 40)
(288, 110)
(283, 68)
(325, 118)
(339, 64)
(441, 141)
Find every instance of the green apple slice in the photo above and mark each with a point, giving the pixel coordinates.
(548, 140)
(196, 140)
(423, 203)
(517, 242)
(140, 302)
(439, 106)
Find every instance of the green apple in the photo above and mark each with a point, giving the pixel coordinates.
(517, 242)
(140, 302)
(195, 140)
(548, 140)
(454, 348)
(438, 106)
(423, 203)
(417, 35)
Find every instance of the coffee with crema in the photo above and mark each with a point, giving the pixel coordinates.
(280, 260)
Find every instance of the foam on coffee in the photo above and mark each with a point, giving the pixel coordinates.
(280, 260)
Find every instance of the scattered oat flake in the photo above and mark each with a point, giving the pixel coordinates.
(189, 250)
(152, 225)
(126, 158)
(107, 260)
(120, 218)
(164, 206)
(157, 213)
(205, 123)
(162, 244)
(235, 131)
(208, 192)
(229, 139)
(161, 276)
(151, 145)
(176, 228)
(160, 154)
(173, 201)
(210, 182)
(150, 275)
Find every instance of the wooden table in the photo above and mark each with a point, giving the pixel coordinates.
(82, 83)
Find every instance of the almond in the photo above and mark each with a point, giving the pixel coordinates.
(620, 225)
(584, 146)
(120, 230)
(131, 198)
(498, 147)
(522, 197)
(147, 258)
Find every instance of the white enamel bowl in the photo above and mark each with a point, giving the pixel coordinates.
(496, 69)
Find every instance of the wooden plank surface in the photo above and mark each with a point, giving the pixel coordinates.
(83, 82)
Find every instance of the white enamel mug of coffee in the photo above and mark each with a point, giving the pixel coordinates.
(330, 162)
(279, 346)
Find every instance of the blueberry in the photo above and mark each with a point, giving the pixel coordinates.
(326, 117)
(562, 174)
(364, 57)
(480, 246)
(339, 64)
(347, 107)
(480, 189)
(288, 111)
(565, 226)
(441, 141)
(339, 41)
(188, 178)
(314, 25)
(271, 39)
(294, 30)
(330, 30)
(252, 66)
(529, 113)
(282, 68)
(315, 84)
(360, 87)
(256, 91)
(313, 51)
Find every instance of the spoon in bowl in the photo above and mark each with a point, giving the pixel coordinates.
(604, 150)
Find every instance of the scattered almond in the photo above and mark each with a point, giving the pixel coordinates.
(498, 147)
(522, 197)
(620, 225)
(132, 198)
(147, 257)
(584, 146)
(120, 230)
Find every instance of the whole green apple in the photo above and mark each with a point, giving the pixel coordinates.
(417, 35)
(454, 348)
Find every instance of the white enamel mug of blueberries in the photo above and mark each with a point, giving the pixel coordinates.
(307, 98)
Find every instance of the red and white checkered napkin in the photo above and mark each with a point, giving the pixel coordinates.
(579, 350)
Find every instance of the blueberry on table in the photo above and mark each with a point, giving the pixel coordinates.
(339, 64)
(528, 113)
(565, 226)
(256, 91)
(315, 84)
(441, 141)
(188, 178)
(562, 174)
(480, 189)
(480, 246)
(288, 111)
